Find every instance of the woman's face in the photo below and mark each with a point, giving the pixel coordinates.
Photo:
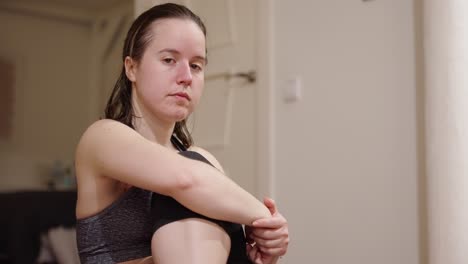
(168, 81)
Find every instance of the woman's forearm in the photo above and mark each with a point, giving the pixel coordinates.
(204, 190)
(148, 165)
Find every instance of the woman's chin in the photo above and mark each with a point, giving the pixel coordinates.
(179, 116)
(175, 115)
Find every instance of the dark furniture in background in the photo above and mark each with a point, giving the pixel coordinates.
(25, 215)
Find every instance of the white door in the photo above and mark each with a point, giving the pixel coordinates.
(225, 121)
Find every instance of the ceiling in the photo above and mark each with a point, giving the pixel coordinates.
(91, 5)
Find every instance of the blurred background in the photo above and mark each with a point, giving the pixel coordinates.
(353, 117)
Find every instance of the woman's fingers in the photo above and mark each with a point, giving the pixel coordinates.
(270, 204)
(270, 234)
(273, 251)
(271, 242)
(254, 254)
(258, 258)
(276, 221)
(249, 249)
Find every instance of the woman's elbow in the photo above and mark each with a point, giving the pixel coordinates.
(182, 183)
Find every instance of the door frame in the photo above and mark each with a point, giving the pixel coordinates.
(266, 114)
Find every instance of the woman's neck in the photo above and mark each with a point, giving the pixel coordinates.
(154, 131)
(151, 127)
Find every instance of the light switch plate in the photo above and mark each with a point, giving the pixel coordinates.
(292, 90)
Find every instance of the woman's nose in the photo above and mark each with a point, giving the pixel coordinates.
(184, 74)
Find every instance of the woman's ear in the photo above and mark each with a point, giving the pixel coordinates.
(130, 68)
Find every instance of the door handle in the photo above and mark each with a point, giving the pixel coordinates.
(250, 76)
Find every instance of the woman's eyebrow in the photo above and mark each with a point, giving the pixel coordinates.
(174, 51)
(201, 58)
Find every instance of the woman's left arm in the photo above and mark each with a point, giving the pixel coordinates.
(271, 236)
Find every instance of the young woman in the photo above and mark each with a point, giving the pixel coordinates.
(144, 189)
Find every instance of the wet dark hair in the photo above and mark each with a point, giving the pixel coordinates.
(119, 106)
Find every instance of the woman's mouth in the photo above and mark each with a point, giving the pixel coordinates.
(182, 95)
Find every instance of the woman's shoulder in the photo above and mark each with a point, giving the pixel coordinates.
(100, 131)
(104, 127)
(207, 155)
(106, 124)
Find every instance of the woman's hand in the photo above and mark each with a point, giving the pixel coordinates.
(258, 258)
(270, 235)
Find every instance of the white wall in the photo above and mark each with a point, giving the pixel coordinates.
(51, 94)
(350, 190)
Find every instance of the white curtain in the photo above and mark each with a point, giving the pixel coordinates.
(446, 88)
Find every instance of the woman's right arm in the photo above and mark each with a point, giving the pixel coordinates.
(114, 150)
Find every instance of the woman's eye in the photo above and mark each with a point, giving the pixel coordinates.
(196, 67)
(169, 60)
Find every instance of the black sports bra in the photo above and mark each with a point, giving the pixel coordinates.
(123, 231)
(166, 210)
